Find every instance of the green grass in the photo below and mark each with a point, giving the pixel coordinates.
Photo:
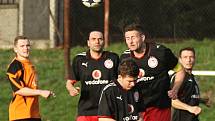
(50, 68)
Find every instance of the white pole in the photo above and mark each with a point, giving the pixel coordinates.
(198, 72)
(52, 9)
(21, 17)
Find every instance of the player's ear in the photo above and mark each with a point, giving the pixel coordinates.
(180, 61)
(119, 77)
(15, 49)
(143, 37)
(88, 43)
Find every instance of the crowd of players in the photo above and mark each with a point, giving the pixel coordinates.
(133, 87)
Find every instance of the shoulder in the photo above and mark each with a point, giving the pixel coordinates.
(125, 54)
(158, 46)
(109, 87)
(81, 55)
(161, 49)
(112, 54)
(14, 66)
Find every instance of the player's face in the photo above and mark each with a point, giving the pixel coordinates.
(187, 59)
(96, 41)
(22, 48)
(127, 82)
(134, 40)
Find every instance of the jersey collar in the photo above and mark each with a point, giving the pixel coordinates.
(89, 56)
(147, 52)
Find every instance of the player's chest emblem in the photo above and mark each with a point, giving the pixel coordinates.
(96, 74)
(108, 63)
(152, 62)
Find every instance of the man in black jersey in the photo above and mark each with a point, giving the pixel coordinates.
(154, 61)
(94, 69)
(119, 100)
(186, 107)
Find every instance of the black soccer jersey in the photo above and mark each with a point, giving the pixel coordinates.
(189, 94)
(119, 104)
(94, 75)
(154, 80)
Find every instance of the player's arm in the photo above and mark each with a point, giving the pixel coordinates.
(15, 73)
(33, 92)
(73, 91)
(106, 119)
(179, 77)
(105, 107)
(75, 76)
(183, 106)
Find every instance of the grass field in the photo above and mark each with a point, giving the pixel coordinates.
(50, 69)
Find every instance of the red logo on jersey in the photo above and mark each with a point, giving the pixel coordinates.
(130, 108)
(96, 74)
(108, 63)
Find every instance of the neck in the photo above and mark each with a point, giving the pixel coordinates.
(188, 71)
(119, 81)
(21, 58)
(95, 55)
(141, 51)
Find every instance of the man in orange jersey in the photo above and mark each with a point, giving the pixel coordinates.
(23, 79)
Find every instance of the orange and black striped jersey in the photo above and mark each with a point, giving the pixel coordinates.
(21, 73)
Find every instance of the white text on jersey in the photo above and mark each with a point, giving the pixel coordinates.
(95, 82)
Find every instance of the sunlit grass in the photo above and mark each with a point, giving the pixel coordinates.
(50, 68)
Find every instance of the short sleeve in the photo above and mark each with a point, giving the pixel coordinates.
(75, 69)
(15, 75)
(105, 108)
(171, 59)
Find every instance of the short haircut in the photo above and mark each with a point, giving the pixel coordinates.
(188, 49)
(128, 67)
(17, 38)
(134, 26)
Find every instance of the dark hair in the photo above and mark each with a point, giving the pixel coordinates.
(139, 28)
(98, 29)
(128, 67)
(17, 38)
(188, 49)
(134, 26)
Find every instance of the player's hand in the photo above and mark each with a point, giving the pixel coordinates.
(73, 91)
(52, 94)
(195, 110)
(172, 94)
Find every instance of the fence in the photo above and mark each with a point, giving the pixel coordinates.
(171, 20)
(161, 19)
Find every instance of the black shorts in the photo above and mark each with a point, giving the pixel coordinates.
(29, 119)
